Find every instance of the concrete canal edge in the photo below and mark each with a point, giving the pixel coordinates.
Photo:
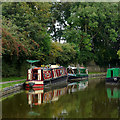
(96, 75)
(10, 90)
(17, 87)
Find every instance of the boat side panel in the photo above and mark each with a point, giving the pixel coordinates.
(47, 74)
(116, 72)
(55, 80)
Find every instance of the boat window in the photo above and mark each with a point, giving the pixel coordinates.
(111, 73)
(61, 72)
(45, 75)
(67, 69)
(82, 71)
(58, 72)
(75, 71)
(70, 71)
(35, 75)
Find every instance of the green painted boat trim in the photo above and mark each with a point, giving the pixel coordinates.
(113, 72)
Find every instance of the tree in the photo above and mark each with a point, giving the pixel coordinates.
(31, 20)
(118, 53)
(60, 13)
(68, 54)
(24, 35)
(63, 54)
(93, 27)
(13, 42)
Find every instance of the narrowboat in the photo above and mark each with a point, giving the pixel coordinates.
(40, 76)
(77, 73)
(113, 75)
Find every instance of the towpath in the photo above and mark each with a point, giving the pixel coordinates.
(11, 81)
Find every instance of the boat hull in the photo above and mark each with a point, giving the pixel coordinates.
(35, 84)
(56, 80)
(34, 89)
(77, 78)
(115, 80)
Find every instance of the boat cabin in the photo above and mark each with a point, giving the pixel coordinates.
(77, 73)
(77, 70)
(39, 76)
(113, 75)
(113, 72)
(39, 73)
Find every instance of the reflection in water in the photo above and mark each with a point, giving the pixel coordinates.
(73, 87)
(74, 100)
(113, 92)
(39, 95)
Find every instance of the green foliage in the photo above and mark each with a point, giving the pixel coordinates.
(30, 20)
(14, 67)
(89, 29)
(60, 13)
(94, 28)
(68, 54)
(24, 35)
(118, 53)
(13, 42)
(63, 54)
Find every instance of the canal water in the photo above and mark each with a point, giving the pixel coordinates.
(87, 99)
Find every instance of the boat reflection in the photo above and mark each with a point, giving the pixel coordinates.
(35, 96)
(75, 86)
(42, 95)
(113, 92)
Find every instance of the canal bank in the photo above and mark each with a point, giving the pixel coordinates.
(12, 89)
(96, 75)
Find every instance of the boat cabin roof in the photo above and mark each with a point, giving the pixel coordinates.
(76, 67)
(73, 67)
(54, 66)
(113, 69)
(51, 67)
(37, 68)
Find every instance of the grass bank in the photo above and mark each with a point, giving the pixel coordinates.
(13, 78)
(10, 84)
(2, 86)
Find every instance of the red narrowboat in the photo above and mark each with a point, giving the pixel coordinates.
(40, 76)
